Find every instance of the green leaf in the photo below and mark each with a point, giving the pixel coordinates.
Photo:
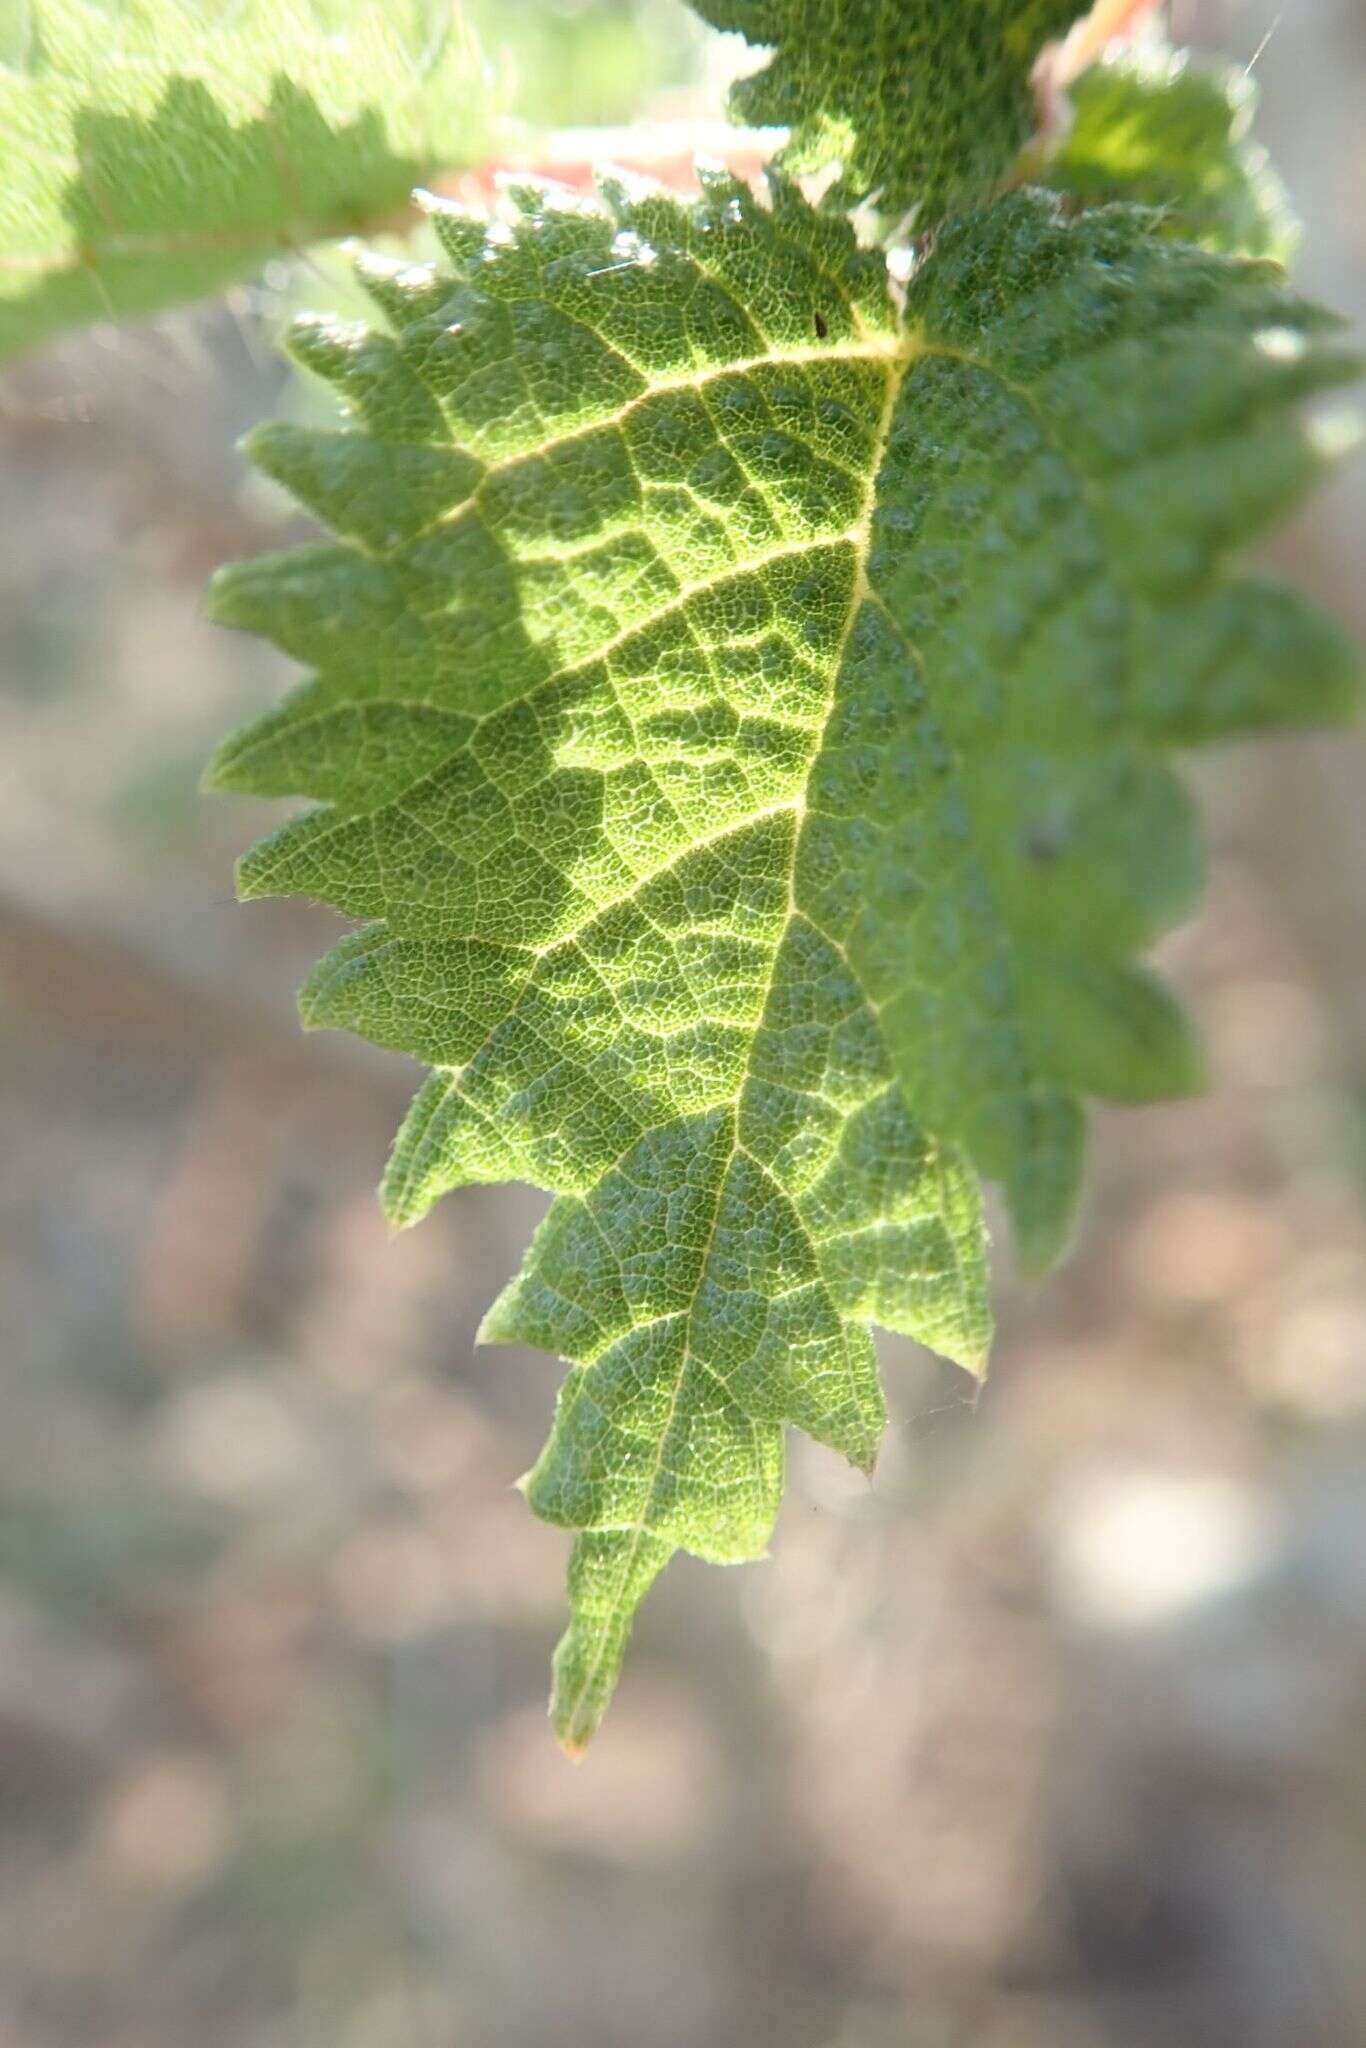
(1152, 128)
(921, 103)
(740, 714)
(152, 151)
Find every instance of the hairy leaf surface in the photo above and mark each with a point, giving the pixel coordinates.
(1153, 128)
(921, 103)
(152, 151)
(739, 714)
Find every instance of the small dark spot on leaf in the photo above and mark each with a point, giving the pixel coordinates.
(822, 326)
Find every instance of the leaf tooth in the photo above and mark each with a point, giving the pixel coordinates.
(381, 390)
(404, 291)
(609, 1575)
(1248, 657)
(1120, 1034)
(376, 492)
(1034, 1144)
(459, 229)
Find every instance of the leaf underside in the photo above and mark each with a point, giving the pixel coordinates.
(923, 102)
(154, 151)
(740, 715)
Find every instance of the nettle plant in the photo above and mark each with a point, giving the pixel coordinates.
(744, 681)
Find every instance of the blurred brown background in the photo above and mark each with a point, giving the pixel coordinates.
(1051, 1738)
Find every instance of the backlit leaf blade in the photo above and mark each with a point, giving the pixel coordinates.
(741, 717)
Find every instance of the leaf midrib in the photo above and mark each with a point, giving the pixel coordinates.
(862, 591)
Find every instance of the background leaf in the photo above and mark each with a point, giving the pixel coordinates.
(153, 151)
(1151, 127)
(921, 103)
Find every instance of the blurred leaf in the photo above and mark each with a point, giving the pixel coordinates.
(153, 151)
(587, 64)
(1155, 129)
